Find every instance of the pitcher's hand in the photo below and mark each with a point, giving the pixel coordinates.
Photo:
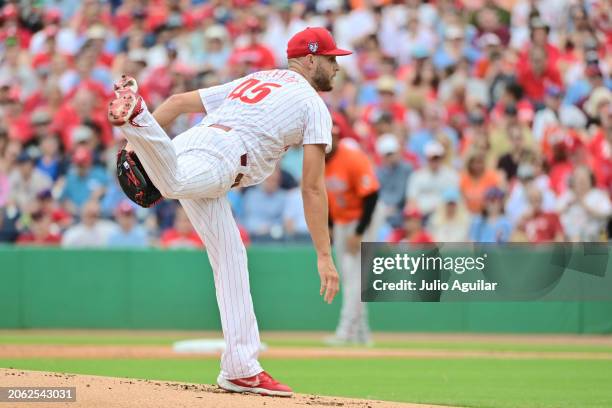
(330, 282)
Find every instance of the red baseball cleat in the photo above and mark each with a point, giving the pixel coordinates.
(127, 103)
(261, 383)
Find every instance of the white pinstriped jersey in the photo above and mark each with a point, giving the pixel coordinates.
(269, 111)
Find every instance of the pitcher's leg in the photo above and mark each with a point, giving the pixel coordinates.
(213, 220)
(188, 175)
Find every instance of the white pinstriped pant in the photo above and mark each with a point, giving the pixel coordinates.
(198, 167)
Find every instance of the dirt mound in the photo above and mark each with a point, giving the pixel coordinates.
(107, 392)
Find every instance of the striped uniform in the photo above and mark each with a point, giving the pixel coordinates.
(268, 112)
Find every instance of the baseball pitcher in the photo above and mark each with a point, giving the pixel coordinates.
(249, 124)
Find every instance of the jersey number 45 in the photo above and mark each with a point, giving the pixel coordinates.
(252, 90)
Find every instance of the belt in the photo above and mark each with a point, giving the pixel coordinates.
(243, 163)
(243, 158)
(220, 126)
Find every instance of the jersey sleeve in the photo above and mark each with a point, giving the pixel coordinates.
(214, 96)
(318, 124)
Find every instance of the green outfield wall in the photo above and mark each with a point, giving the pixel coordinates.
(153, 289)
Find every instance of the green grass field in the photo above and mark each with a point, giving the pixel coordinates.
(80, 339)
(471, 382)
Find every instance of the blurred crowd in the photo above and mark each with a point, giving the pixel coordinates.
(486, 120)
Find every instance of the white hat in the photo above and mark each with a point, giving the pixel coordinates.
(138, 55)
(96, 32)
(433, 149)
(81, 134)
(489, 39)
(387, 144)
(573, 117)
(598, 97)
(328, 5)
(453, 32)
(386, 83)
(215, 31)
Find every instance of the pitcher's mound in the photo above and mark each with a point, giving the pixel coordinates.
(104, 392)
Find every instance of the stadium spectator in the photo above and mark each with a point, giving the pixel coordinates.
(491, 225)
(499, 137)
(40, 122)
(414, 40)
(83, 136)
(475, 180)
(294, 221)
(214, 53)
(182, 234)
(427, 184)
(539, 32)
(412, 230)
(433, 129)
(386, 102)
(127, 234)
(91, 231)
(51, 161)
(113, 196)
(509, 80)
(8, 160)
(600, 150)
(282, 24)
(508, 163)
(424, 82)
(475, 135)
(584, 209)
(26, 181)
(539, 69)
(253, 55)
(559, 147)
(450, 222)
(263, 209)
(529, 173)
(41, 231)
(4, 189)
(537, 225)
(393, 175)
(85, 105)
(453, 48)
(512, 94)
(49, 206)
(555, 113)
(9, 216)
(84, 181)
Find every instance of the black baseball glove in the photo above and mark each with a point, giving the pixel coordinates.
(134, 180)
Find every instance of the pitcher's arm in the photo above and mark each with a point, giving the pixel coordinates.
(176, 105)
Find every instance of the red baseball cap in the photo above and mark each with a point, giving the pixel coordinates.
(124, 208)
(315, 41)
(412, 212)
(82, 156)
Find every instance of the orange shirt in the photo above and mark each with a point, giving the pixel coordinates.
(349, 176)
(474, 190)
